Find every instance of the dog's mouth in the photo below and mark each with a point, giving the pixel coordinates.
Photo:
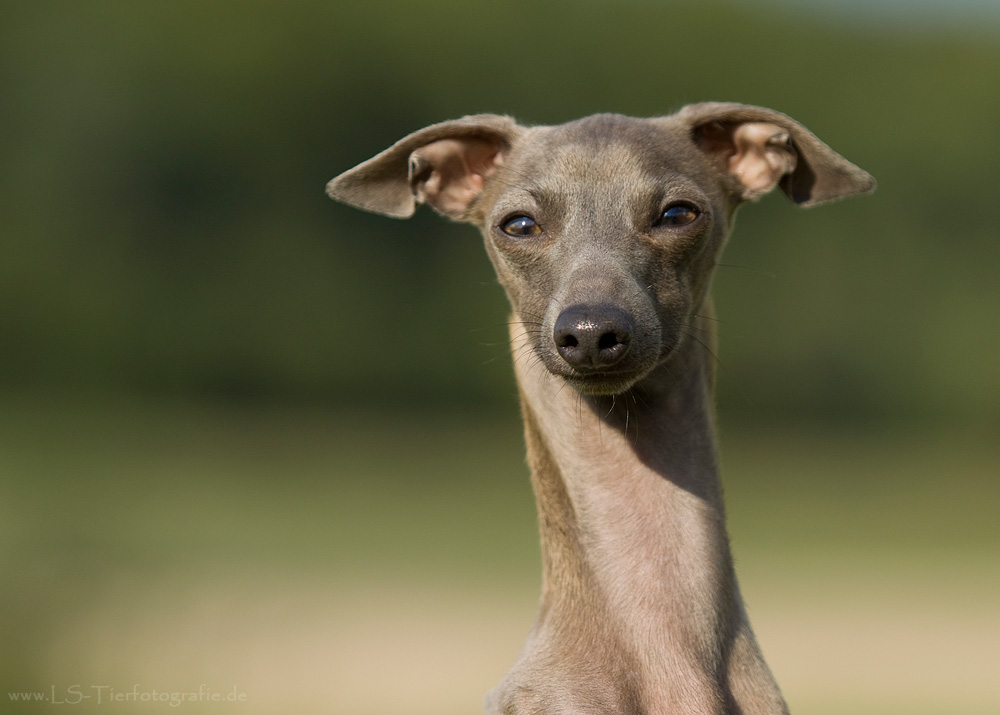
(605, 384)
(597, 381)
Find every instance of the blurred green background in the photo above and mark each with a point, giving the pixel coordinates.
(252, 441)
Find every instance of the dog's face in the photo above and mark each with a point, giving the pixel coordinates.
(603, 231)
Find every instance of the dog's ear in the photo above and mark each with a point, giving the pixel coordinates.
(758, 149)
(445, 165)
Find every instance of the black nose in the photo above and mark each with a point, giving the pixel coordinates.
(592, 335)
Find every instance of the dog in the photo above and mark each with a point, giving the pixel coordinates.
(605, 233)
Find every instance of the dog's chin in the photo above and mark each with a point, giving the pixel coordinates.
(601, 383)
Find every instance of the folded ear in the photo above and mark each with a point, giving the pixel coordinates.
(759, 148)
(445, 165)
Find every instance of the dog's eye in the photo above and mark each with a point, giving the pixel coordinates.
(678, 215)
(520, 226)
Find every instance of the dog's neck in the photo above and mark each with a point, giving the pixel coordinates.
(634, 545)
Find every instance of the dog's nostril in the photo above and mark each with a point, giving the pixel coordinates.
(567, 341)
(609, 341)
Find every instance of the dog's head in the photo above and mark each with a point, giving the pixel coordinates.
(603, 231)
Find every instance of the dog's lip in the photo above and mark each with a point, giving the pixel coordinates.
(625, 370)
(600, 381)
(594, 373)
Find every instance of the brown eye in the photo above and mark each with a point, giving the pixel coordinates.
(678, 215)
(520, 226)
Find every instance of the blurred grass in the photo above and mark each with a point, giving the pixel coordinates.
(304, 555)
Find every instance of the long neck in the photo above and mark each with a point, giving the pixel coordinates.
(634, 545)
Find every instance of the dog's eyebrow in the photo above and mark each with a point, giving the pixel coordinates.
(535, 194)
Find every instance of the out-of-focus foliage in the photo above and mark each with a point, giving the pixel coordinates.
(165, 230)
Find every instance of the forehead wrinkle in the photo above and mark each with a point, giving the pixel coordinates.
(603, 182)
(596, 164)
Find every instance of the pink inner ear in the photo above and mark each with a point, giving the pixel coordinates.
(762, 156)
(458, 172)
